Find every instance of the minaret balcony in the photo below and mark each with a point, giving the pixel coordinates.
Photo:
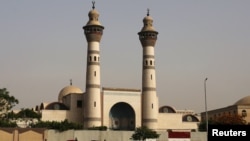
(93, 33)
(148, 38)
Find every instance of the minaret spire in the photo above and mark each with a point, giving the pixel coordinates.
(70, 82)
(148, 37)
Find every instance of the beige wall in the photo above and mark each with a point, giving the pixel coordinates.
(75, 114)
(88, 135)
(22, 134)
(6, 135)
(53, 115)
(30, 136)
(174, 121)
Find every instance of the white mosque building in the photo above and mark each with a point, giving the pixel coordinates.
(117, 108)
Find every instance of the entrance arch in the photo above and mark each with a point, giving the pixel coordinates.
(122, 117)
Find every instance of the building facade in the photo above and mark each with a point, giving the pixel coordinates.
(240, 107)
(117, 108)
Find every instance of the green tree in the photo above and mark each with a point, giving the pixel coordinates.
(229, 120)
(28, 113)
(143, 133)
(224, 120)
(7, 102)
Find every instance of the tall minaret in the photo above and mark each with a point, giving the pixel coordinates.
(148, 37)
(93, 31)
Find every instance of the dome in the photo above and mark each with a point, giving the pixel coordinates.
(93, 18)
(148, 23)
(93, 13)
(68, 90)
(243, 101)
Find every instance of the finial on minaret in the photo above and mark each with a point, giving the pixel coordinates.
(148, 12)
(70, 82)
(93, 3)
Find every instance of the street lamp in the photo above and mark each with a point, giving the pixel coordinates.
(206, 104)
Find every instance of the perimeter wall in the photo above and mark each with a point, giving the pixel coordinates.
(30, 134)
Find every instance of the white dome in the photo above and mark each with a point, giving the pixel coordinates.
(68, 90)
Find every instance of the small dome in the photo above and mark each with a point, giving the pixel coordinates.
(93, 13)
(148, 23)
(68, 90)
(243, 101)
(148, 19)
(56, 106)
(93, 17)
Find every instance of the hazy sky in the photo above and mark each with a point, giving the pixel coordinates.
(43, 46)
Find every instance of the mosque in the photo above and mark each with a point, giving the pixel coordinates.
(117, 108)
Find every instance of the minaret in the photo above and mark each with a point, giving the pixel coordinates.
(93, 31)
(148, 37)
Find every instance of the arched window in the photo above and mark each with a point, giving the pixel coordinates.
(244, 113)
(165, 110)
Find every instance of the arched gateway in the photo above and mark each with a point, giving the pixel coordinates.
(122, 117)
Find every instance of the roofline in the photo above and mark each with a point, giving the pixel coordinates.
(120, 89)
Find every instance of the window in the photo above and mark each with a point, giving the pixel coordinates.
(94, 73)
(234, 112)
(189, 118)
(94, 104)
(94, 58)
(79, 104)
(152, 105)
(165, 110)
(56, 107)
(244, 113)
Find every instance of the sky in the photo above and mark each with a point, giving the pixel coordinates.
(42, 47)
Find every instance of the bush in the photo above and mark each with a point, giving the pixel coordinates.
(60, 126)
(102, 128)
(144, 133)
(4, 123)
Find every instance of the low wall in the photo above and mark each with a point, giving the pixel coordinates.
(30, 134)
(22, 134)
(87, 135)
